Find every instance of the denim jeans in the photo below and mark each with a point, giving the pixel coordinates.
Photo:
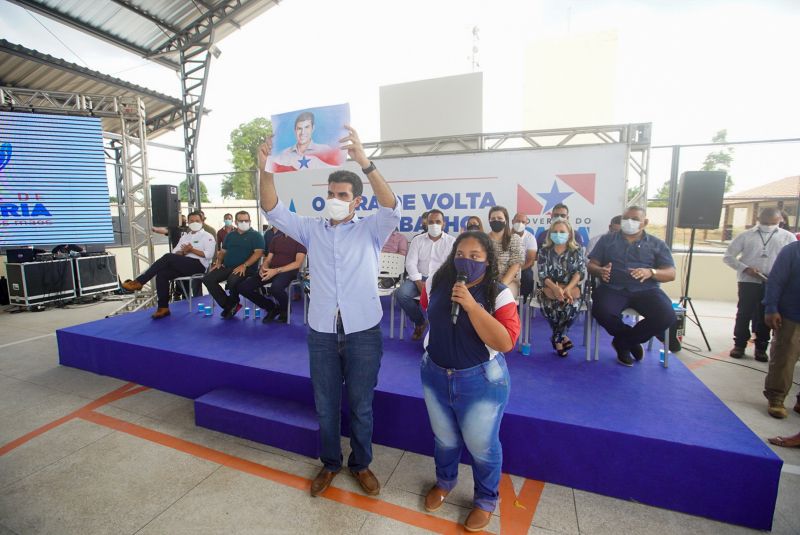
(465, 408)
(405, 295)
(353, 359)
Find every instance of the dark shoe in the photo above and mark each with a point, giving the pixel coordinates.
(132, 285)
(777, 410)
(419, 330)
(737, 352)
(435, 498)
(283, 318)
(322, 481)
(797, 406)
(761, 355)
(477, 520)
(368, 481)
(271, 315)
(230, 312)
(161, 312)
(623, 354)
(637, 352)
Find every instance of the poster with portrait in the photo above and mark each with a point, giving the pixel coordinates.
(308, 139)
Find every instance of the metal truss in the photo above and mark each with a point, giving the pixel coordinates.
(134, 189)
(636, 138)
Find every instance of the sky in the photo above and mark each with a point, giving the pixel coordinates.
(690, 68)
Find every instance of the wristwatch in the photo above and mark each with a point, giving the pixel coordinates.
(371, 168)
(653, 271)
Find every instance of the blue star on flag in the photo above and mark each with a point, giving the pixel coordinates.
(303, 162)
(553, 198)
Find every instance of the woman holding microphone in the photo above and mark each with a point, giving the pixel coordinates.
(473, 319)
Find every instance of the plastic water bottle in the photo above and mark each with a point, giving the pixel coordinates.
(246, 312)
(661, 356)
(526, 349)
(209, 311)
(257, 313)
(201, 308)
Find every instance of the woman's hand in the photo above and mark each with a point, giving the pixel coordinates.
(462, 296)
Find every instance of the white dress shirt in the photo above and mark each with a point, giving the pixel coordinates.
(756, 249)
(528, 241)
(200, 240)
(425, 255)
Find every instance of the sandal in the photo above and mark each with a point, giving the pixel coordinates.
(786, 442)
(567, 343)
(560, 351)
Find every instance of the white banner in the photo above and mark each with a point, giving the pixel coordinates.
(589, 180)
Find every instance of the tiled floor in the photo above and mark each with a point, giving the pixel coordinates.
(83, 477)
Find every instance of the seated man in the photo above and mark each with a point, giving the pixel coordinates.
(278, 270)
(190, 256)
(426, 253)
(236, 259)
(631, 264)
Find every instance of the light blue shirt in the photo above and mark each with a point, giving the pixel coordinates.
(343, 261)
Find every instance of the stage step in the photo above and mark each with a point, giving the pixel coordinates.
(287, 425)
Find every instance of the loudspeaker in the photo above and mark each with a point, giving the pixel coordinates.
(700, 199)
(165, 205)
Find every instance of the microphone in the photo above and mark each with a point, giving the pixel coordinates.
(455, 308)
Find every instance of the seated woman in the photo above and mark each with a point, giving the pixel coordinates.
(508, 249)
(473, 223)
(463, 355)
(561, 268)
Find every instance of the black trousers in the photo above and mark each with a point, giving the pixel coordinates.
(277, 289)
(526, 283)
(654, 305)
(749, 311)
(213, 279)
(165, 269)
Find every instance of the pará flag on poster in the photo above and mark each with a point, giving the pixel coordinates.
(308, 139)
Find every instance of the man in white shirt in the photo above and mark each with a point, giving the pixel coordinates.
(752, 254)
(614, 226)
(531, 249)
(426, 253)
(190, 256)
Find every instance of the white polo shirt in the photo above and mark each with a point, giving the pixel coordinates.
(200, 240)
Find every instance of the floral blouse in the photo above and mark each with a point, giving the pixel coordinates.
(560, 267)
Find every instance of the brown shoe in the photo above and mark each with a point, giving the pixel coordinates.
(777, 410)
(435, 498)
(368, 481)
(322, 481)
(419, 330)
(761, 355)
(737, 352)
(132, 285)
(161, 312)
(477, 520)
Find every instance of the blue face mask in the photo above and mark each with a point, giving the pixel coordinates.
(559, 238)
(472, 268)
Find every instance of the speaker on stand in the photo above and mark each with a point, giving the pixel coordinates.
(699, 206)
(165, 205)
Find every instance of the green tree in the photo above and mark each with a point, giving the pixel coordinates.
(112, 198)
(244, 156)
(183, 191)
(720, 160)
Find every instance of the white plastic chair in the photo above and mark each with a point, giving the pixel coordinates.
(392, 267)
(632, 313)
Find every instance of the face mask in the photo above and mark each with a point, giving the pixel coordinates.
(336, 209)
(244, 226)
(194, 227)
(435, 230)
(630, 226)
(229, 222)
(767, 228)
(497, 226)
(559, 238)
(558, 218)
(473, 227)
(473, 268)
(519, 227)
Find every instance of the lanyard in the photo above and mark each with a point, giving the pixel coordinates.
(764, 243)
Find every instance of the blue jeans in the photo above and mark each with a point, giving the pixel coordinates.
(465, 407)
(405, 295)
(353, 359)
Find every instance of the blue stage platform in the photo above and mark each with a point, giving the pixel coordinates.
(649, 434)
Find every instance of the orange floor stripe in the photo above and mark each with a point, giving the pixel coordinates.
(121, 392)
(516, 512)
(372, 505)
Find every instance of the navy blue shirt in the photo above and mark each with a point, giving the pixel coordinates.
(648, 252)
(782, 293)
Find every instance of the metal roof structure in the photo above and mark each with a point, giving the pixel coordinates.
(34, 81)
(153, 29)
